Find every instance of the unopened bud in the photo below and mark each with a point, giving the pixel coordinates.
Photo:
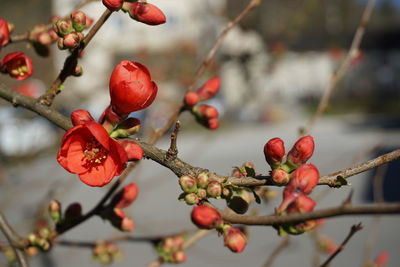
(202, 180)
(78, 19)
(60, 44)
(62, 27)
(209, 89)
(202, 193)
(274, 151)
(78, 71)
(302, 204)
(55, 211)
(214, 189)
(178, 256)
(44, 38)
(146, 13)
(191, 99)
(127, 225)
(280, 177)
(113, 5)
(188, 184)
(304, 178)
(208, 111)
(235, 239)
(213, 124)
(226, 193)
(125, 196)
(206, 217)
(71, 40)
(191, 199)
(81, 116)
(301, 151)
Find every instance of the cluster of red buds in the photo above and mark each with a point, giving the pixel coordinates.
(114, 212)
(70, 30)
(205, 114)
(206, 217)
(94, 150)
(39, 240)
(41, 37)
(170, 249)
(106, 252)
(17, 65)
(300, 179)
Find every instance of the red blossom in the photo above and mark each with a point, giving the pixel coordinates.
(17, 65)
(235, 239)
(4, 33)
(304, 178)
(88, 151)
(206, 217)
(301, 151)
(113, 5)
(147, 13)
(131, 87)
(274, 151)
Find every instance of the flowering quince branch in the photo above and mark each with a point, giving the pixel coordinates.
(71, 62)
(173, 149)
(13, 238)
(344, 67)
(354, 229)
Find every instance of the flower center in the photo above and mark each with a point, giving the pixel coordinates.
(94, 152)
(18, 68)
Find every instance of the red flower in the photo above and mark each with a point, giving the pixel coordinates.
(235, 239)
(17, 65)
(88, 151)
(131, 87)
(304, 179)
(147, 13)
(301, 151)
(206, 217)
(4, 33)
(113, 5)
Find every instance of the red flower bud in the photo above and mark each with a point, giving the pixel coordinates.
(191, 199)
(62, 27)
(81, 116)
(131, 87)
(127, 225)
(213, 124)
(202, 180)
(301, 151)
(88, 22)
(302, 204)
(214, 189)
(71, 40)
(188, 184)
(208, 111)
(17, 65)
(78, 19)
(274, 151)
(191, 99)
(202, 193)
(4, 33)
(178, 256)
(125, 196)
(280, 177)
(206, 217)
(88, 151)
(304, 178)
(146, 13)
(235, 239)
(113, 5)
(327, 245)
(55, 211)
(118, 219)
(44, 38)
(133, 150)
(209, 89)
(382, 259)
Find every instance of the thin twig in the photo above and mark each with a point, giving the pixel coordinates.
(281, 246)
(344, 67)
(71, 61)
(173, 149)
(13, 238)
(354, 229)
(386, 208)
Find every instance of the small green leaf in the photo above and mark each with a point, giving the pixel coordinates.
(341, 181)
(250, 171)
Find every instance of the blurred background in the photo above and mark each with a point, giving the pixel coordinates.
(273, 66)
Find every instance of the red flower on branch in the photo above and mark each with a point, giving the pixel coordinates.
(4, 33)
(131, 87)
(17, 65)
(88, 151)
(113, 5)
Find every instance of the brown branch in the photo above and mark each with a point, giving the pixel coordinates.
(188, 243)
(354, 229)
(392, 208)
(71, 61)
(180, 167)
(173, 149)
(13, 239)
(344, 67)
(281, 246)
(205, 62)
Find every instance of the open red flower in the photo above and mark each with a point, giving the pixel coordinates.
(17, 65)
(131, 87)
(4, 33)
(88, 151)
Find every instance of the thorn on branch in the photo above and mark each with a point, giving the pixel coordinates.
(173, 149)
